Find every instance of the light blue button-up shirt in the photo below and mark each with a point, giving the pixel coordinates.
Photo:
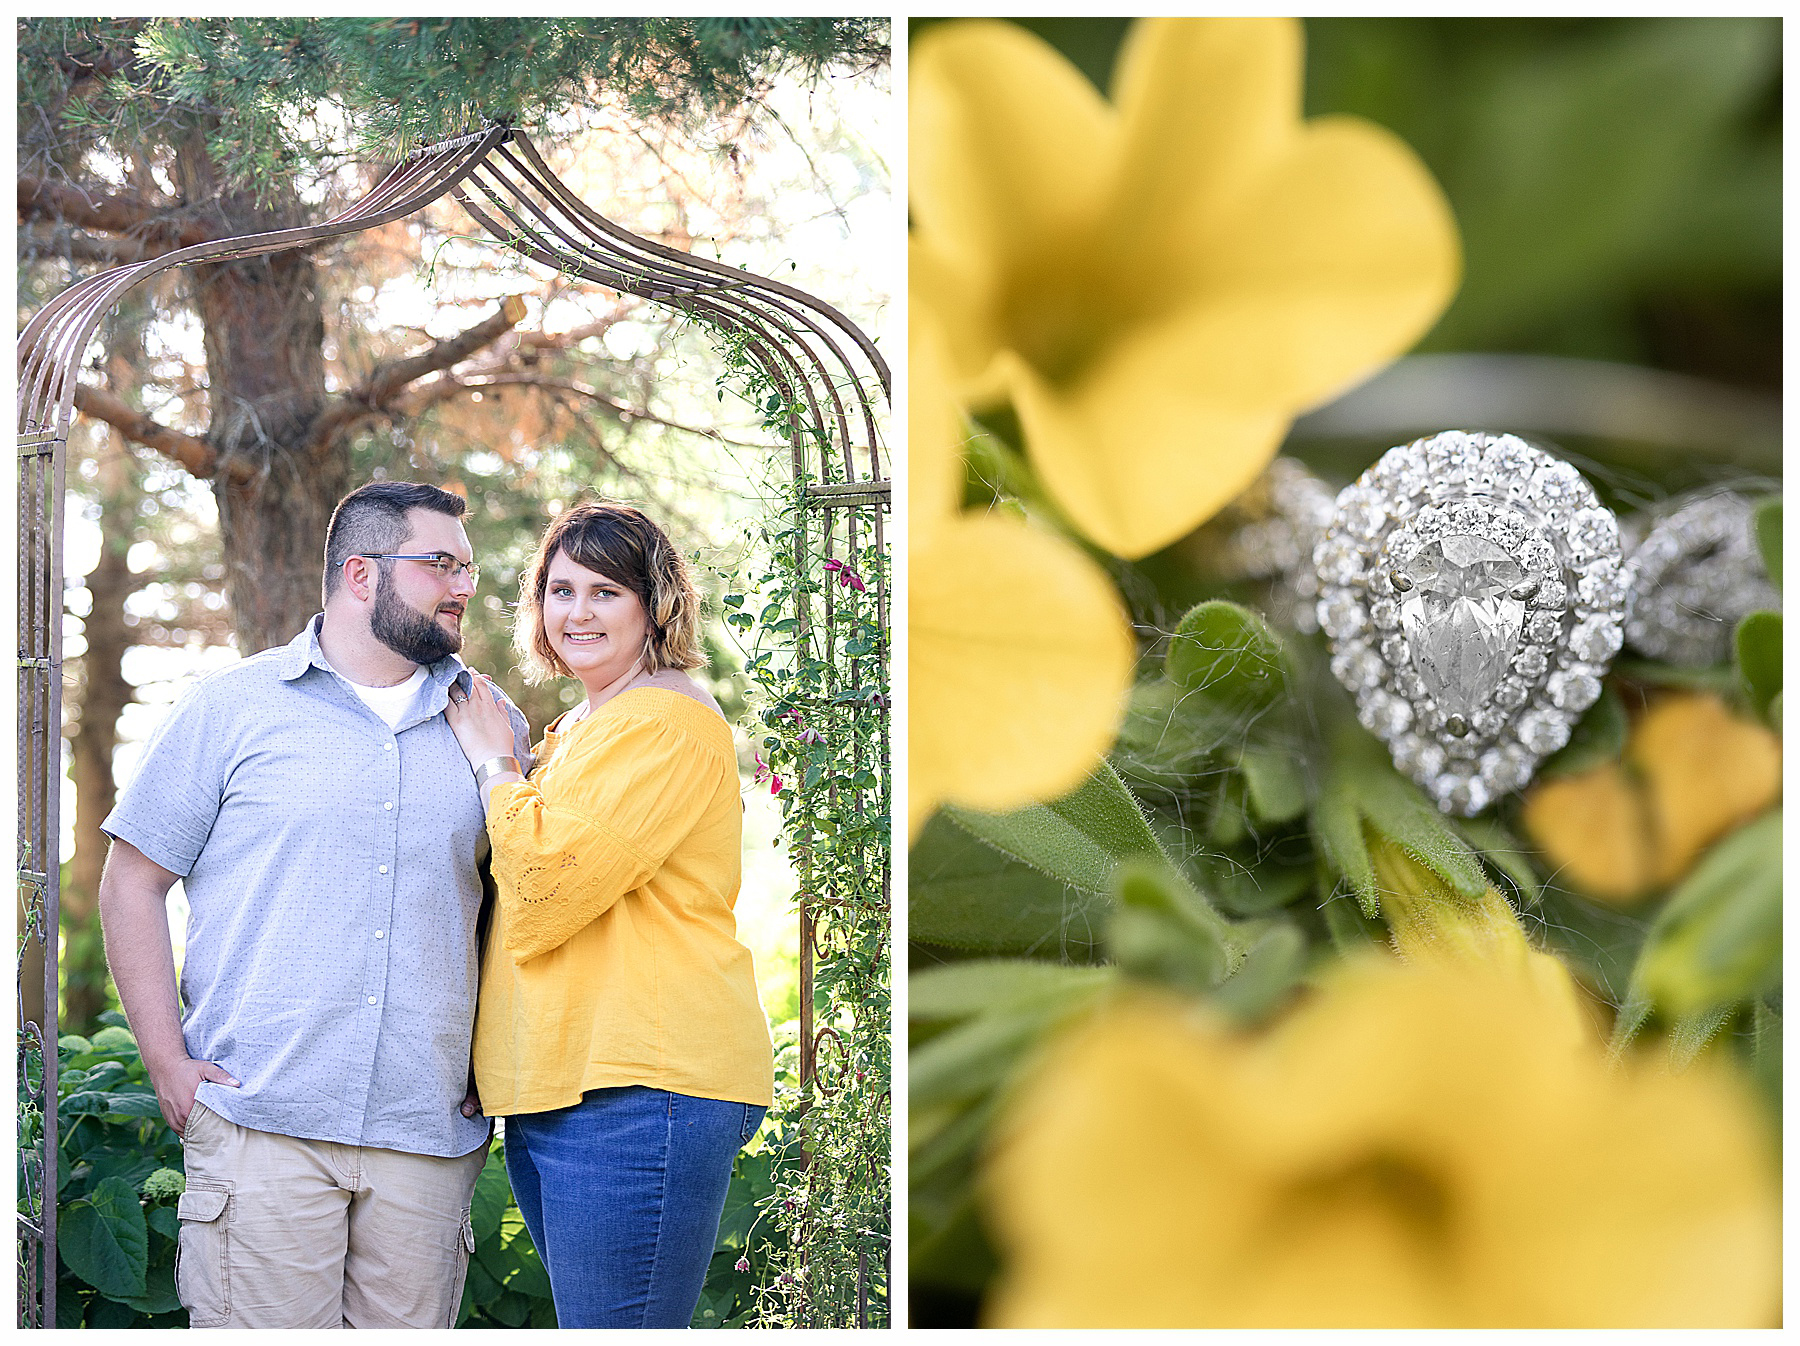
(330, 869)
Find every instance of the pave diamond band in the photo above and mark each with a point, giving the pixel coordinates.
(1698, 572)
(1473, 592)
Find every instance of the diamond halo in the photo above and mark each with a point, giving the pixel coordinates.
(1697, 573)
(1473, 592)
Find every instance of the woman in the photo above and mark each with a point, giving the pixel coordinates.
(619, 1030)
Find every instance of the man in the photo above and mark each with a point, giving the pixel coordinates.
(325, 824)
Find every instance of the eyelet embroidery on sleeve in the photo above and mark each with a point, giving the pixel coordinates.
(535, 887)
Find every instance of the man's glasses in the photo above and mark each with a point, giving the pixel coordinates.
(446, 565)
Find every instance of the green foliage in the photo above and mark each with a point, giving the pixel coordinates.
(811, 617)
(1227, 654)
(121, 1176)
(1759, 658)
(118, 1178)
(1717, 942)
(254, 86)
(1768, 537)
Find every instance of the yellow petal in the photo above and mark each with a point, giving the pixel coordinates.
(1020, 662)
(933, 434)
(1594, 832)
(1204, 108)
(1406, 1149)
(958, 300)
(1009, 145)
(1705, 771)
(1341, 257)
(1137, 456)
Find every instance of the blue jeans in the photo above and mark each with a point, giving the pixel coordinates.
(622, 1194)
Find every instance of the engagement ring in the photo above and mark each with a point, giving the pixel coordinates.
(1473, 592)
(1698, 573)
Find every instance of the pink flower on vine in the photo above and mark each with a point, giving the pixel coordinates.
(765, 772)
(846, 577)
(742, 1264)
(811, 736)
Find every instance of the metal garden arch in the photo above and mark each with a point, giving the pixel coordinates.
(825, 368)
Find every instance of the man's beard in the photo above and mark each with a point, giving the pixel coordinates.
(408, 632)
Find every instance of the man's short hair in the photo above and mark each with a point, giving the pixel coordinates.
(372, 519)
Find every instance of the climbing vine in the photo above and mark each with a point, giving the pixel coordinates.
(810, 613)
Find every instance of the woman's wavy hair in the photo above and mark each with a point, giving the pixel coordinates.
(620, 542)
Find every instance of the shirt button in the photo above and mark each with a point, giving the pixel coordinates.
(379, 933)
(371, 1000)
(384, 869)
(388, 805)
(387, 747)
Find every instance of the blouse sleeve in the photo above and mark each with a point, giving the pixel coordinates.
(625, 795)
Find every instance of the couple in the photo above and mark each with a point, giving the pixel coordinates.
(326, 804)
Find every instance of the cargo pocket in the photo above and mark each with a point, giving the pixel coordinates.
(202, 1255)
(465, 1249)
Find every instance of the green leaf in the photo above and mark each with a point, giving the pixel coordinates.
(1225, 653)
(1337, 826)
(963, 894)
(1361, 779)
(1503, 851)
(1275, 784)
(1691, 1035)
(1078, 839)
(132, 1105)
(1717, 941)
(1759, 657)
(970, 1059)
(493, 1194)
(103, 1239)
(1768, 537)
(1164, 930)
(164, 1220)
(115, 1040)
(1270, 970)
(1765, 1053)
(959, 990)
(159, 1295)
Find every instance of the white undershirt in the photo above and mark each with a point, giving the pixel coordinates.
(389, 702)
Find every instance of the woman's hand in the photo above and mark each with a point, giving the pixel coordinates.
(480, 722)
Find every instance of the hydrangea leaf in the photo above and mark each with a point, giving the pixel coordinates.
(103, 1239)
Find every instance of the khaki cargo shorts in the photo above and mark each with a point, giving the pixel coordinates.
(280, 1232)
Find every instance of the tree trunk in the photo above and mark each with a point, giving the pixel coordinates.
(265, 333)
(104, 696)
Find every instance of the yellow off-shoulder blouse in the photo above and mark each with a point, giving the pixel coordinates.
(613, 958)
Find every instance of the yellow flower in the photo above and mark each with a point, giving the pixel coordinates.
(1020, 653)
(1692, 772)
(1161, 282)
(1417, 1146)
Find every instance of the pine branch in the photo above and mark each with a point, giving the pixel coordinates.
(122, 213)
(442, 390)
(376, 395)
(41, 241)
(197, 455)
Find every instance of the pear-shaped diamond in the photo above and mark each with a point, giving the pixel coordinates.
(1461, 620)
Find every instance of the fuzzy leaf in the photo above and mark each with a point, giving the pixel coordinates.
(963, 894)
(1392, 807)
(1338, 828)
(1692, 1034)
(1759, 657)
(959, 990)
(1270, 970)
(1225, 653)
(1274, 784)
(1077, 840)
(1502, 850)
